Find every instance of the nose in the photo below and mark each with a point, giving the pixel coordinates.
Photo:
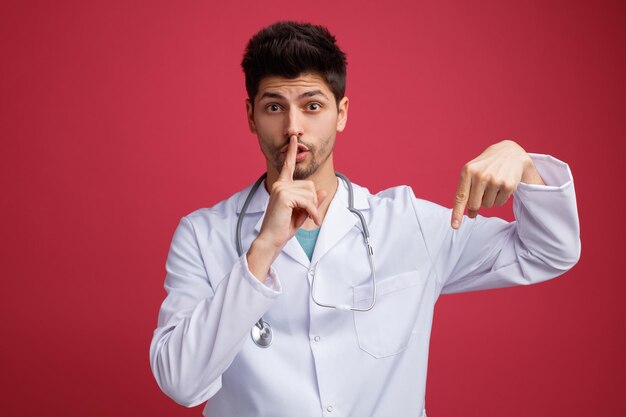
(294, 123)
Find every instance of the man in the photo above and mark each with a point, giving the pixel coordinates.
(303, 253)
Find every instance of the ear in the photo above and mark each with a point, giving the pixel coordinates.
(250, 113)
(342, 116)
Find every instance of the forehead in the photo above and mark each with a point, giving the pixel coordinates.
(293, 86)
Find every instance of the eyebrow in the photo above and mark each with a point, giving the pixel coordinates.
(311, 93)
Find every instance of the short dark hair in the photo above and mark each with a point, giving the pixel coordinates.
(289, 49)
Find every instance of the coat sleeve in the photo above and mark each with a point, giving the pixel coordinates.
(542, 243)
(201, 329)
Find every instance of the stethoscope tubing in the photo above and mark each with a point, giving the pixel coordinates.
(261, 333)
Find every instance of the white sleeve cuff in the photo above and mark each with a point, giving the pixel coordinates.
(554, 172)
(270, 288)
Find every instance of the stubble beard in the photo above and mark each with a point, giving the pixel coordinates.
(303, 172)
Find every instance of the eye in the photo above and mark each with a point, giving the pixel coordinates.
(273, 108)
(314, 106)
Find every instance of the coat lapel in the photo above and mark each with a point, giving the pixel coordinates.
(339, 220)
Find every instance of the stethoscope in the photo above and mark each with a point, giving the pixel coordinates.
(262, 333)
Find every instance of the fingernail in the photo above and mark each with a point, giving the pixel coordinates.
(455, 223)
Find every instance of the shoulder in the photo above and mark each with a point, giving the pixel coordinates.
(220, 215)
(220, 210)
(401, 200)
(387, 195)
(400, 195)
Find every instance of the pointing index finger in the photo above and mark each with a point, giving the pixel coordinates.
(460, 200)
(289, 166)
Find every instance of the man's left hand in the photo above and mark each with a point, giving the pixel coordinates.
(491, 178)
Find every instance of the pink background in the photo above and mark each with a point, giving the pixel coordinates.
(117, 118)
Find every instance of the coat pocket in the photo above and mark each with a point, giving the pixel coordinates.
(387, 328)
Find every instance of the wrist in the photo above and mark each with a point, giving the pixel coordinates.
(260, 258)
(263, 244)
(530, 175)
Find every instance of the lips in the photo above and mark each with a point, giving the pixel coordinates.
(301, 148)
(301, 155)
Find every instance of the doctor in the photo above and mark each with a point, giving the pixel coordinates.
(308, 320)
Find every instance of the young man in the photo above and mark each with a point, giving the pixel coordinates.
(345, 329)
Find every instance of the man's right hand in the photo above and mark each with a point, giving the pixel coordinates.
(290, 204)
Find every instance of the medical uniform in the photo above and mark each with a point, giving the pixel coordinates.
(328, 362)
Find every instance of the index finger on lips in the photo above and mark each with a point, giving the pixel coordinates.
(460, 200)
(289, 166)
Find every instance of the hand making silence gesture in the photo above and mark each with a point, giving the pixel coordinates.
(291, 203)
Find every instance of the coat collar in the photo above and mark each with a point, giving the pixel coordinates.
(258, 202)
(337, 222)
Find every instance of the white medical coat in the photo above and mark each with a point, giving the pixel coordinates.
(327, 362)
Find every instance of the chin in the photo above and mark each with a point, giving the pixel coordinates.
(304, 173)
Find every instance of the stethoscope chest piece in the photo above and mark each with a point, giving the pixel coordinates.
(262, 334)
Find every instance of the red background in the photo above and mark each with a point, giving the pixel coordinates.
(117, 118)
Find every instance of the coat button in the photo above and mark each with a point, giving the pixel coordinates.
(330, 408)
(317, 339)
